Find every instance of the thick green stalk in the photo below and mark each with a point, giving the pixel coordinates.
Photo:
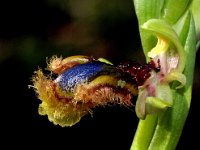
(144, 133)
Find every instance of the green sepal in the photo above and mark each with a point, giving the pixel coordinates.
(163, 29)
(175, 75)
(146, 10)
(105, 61)
(156, 105)
(153, 104)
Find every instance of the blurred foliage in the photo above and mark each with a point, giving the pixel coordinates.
(39, 29)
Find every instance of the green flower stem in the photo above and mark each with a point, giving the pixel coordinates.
(144, 133)
(162, 131)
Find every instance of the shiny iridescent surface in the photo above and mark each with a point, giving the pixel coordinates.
(78, 74)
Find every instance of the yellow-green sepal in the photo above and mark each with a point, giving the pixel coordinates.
(162, 29)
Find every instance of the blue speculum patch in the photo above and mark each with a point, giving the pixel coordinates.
(78, 74)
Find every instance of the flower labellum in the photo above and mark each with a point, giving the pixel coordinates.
(81, 84)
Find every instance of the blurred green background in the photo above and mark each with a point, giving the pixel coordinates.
(31, 31)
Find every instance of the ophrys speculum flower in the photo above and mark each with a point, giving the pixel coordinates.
(81, 84)
(77, 84)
